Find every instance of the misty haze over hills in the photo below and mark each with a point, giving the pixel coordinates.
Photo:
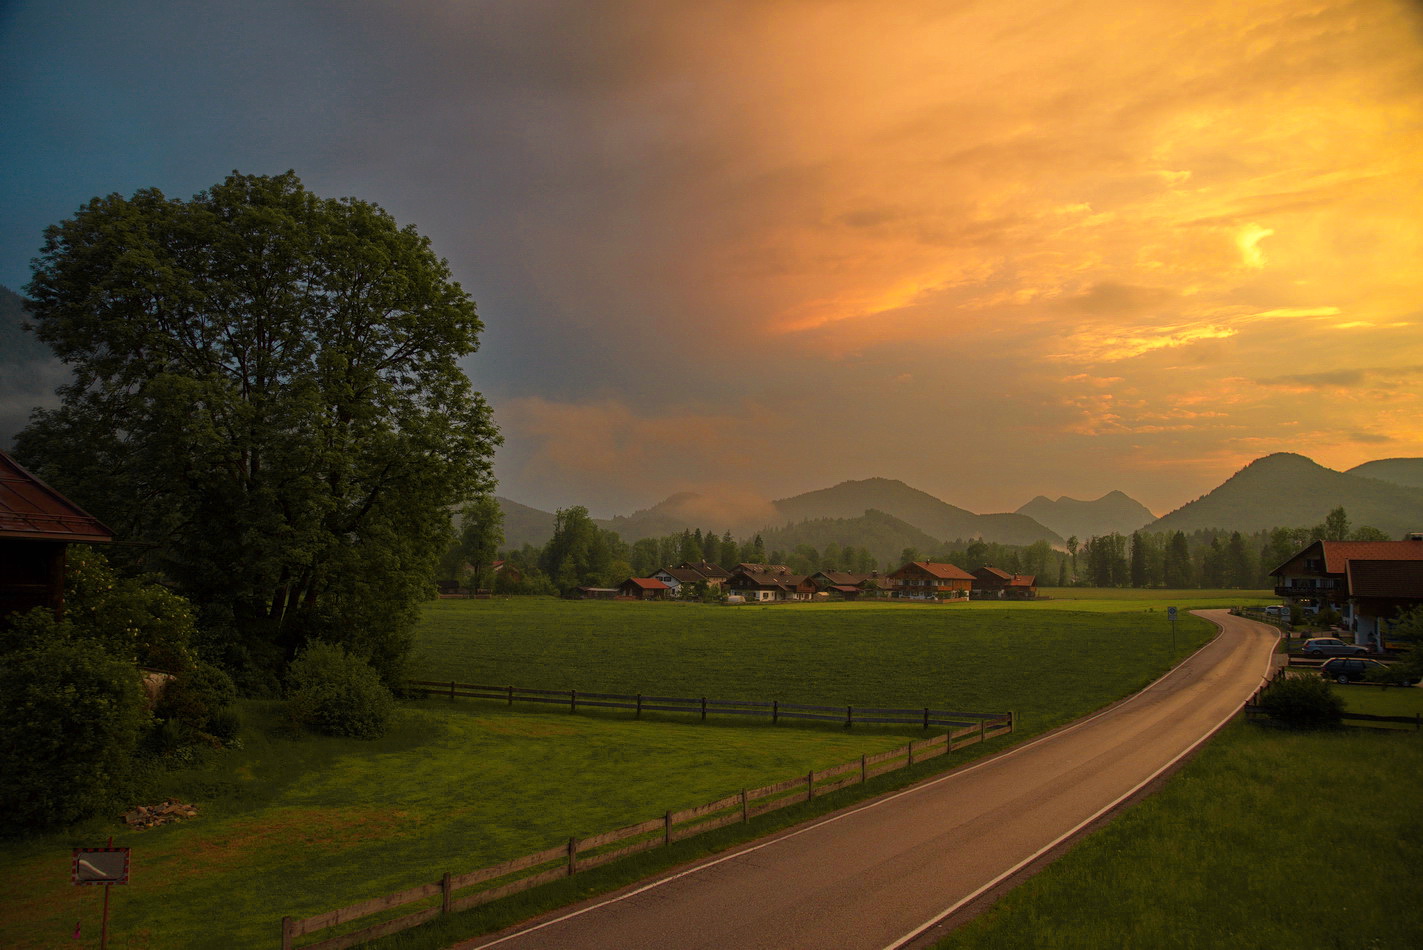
(1280, 490)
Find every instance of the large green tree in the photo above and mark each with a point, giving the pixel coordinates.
(267, 393)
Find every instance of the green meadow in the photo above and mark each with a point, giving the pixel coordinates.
(292, 825)
(1267, 838)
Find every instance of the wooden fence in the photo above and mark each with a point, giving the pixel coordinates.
(458, 892)
(774, 710)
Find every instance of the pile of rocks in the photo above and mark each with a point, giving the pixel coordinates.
(146, 816)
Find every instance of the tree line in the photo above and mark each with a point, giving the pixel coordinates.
(580, 553)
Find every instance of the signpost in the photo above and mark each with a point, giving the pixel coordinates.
(106, 866)
(1171, 613)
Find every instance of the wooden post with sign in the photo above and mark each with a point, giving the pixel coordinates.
(106, 866)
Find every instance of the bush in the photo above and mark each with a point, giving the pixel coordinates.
(70, 718)
(338, 693)
(193, 699)
(1305, 702)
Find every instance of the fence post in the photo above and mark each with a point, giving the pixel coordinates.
(667, 828)
(288, 933)
(911, 753)
(573, 700)
(926, 717)
(572, 856)
(1012, 721)
(704, 709)
(745, 808)
(511, 695)
(452, 690)
(775, 711)
(982, 729)
(849, 716)
(445, 890)
(639, 706)
(863, 770)
(810, 785)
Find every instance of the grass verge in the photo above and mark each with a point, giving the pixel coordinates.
(1267, 838)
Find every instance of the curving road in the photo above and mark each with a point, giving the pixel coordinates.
(887, 873)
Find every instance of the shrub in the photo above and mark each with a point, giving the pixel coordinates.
(70, 718)
(1305, 702)
(194, 698)
(332, 691)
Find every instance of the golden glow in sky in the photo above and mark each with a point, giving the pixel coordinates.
(993, 248)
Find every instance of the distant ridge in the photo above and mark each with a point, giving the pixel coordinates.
(1114, 511)
(937, 518)
(524, 525)
(1289, 490)
(1407, 472)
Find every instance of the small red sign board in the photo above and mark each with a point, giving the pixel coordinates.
(100, 866)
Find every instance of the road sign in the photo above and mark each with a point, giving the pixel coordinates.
(100, 865)
(1171, 612)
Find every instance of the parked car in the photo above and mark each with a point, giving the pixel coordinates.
(1331, 646)
(1277, 612)
(1352, 669)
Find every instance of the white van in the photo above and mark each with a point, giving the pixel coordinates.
(1278, 612)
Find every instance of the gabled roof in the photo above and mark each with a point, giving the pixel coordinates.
(946, 572)
(999, 573)
(32, 510)
(683, 575)
(646, 583)
(706, 569)
(1338, 554)
(1402, 579)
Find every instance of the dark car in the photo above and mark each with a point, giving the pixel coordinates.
(1352, 669)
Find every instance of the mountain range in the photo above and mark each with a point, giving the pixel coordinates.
(1280, 490)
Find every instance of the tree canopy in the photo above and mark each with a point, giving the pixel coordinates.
(267, 393)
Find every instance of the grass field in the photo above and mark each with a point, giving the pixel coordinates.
(1266, 839)
(301, 825)
(1049, 662)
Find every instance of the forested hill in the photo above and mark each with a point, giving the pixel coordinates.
(1288, 489)
(524, 525)
(29, 373)
(1114, 511)
(883, 535)
(1407, 472)
(936, 518)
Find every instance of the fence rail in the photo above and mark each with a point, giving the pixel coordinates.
(458, 892)
(773, 709)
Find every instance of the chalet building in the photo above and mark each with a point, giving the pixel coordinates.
(846, 585)
(1379, 591)
(1356, 578)
(714, 574)
(642, 588)
(680, 581)
(992, 583)
(929, 580)
(36, 523)
(770, 586)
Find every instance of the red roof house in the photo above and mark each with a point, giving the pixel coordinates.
(931, 580)
(36, 522)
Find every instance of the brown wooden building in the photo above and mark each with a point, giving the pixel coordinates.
(992, 583)
(36, 523)
(930, 580)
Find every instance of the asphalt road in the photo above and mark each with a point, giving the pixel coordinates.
(888, 872)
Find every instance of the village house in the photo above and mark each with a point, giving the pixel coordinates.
(680, 581)
(1362, 580)
(36, 523)
(775, 583)
(642, 588)
(715, 574)
(846, 585)
(929, 580)
(992, 583)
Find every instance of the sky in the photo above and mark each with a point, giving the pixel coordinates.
(749, 249)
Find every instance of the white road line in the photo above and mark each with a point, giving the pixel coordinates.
(1063, 837)
(919, 787)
